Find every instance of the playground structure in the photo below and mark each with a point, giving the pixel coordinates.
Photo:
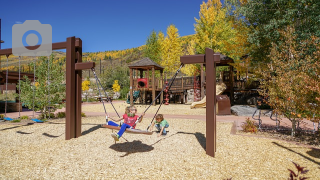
(74, 67)
(220, 88)
(13, 78)
(143, 88)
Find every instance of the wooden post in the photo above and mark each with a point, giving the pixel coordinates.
(148, 78)
(153, 87)
(161, 85)
(70, 89)
(209, 59)
(141, 73)
(202, 81)
(232, 85)
(131, 88)
(78, 76)
(210, 115)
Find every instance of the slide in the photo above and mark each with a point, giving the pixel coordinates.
(220, 87)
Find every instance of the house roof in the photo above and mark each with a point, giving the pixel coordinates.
(145, 63)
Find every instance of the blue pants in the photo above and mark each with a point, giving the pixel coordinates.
(164, 132)
(123, 128)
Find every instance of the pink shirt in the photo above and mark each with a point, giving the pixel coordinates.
(130, 120)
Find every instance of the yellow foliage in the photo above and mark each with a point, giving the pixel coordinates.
(116, 86)
(171, 49)
(85, 85)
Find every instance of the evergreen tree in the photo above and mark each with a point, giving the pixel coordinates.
(152, 47)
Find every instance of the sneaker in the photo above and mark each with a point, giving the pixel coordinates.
(115, 136)
(163, 134)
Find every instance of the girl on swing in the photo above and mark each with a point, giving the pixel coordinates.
(129, 119)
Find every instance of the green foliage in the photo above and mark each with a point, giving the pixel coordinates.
(44, 116)
(83, 114)
(43, 92)
(120, 73)
(152, 49)
(267, 17)
(9, 96)
(24, 117)
(61, 114)
(1, 116)
(249, 126)
(16, 120)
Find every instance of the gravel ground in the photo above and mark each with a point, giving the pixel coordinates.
(39, 151)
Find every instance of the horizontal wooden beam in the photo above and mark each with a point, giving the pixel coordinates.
(84, 65)
(193, 59)
(55, 46)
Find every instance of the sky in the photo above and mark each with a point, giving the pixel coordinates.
(102, 25)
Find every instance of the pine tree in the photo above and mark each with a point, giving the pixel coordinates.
(152, 47)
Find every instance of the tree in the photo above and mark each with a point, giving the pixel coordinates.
(190, 69)
(171, 50)
(152, 49)
(214, 29)
(119, 73)
(116, 86)
(290, 82)
(267, 17)
(49, 88)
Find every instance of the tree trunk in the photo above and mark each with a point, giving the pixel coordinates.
(293, 130)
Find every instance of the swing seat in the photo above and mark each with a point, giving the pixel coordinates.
(128, 130)
(37, 120)
(8, 119)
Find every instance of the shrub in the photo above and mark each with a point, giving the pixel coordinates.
(16, 120)
(301, 170)
(61, 115)
(83, 114)
(24, 117)
(1, 116)
(249, 126)
(45, 116)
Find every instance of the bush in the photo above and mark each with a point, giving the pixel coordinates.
(1, 116)
(45, 116)
(61, 115)
(16, 120)
(24, 117)
(249, 126)
(83, 114)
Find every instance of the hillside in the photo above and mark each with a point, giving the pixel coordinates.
(102, 59)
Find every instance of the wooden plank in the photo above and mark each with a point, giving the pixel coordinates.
(193, 59)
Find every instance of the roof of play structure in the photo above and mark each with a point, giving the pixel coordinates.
(145, 63)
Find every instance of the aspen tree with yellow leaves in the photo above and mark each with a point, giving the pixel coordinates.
(171, 50)
(213, 29)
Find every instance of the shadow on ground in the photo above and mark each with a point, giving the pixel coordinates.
(131, 147)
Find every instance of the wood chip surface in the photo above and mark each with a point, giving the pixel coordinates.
(40, 151)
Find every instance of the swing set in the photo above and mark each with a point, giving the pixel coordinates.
(209, 59)
(74, 67)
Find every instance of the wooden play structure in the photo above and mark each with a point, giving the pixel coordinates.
(144, 86)
(13, 78)
(74, 67)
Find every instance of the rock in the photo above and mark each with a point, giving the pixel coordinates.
(242, 110)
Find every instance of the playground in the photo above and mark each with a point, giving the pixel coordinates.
(30, 151)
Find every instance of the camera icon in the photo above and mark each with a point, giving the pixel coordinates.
(31, 39)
